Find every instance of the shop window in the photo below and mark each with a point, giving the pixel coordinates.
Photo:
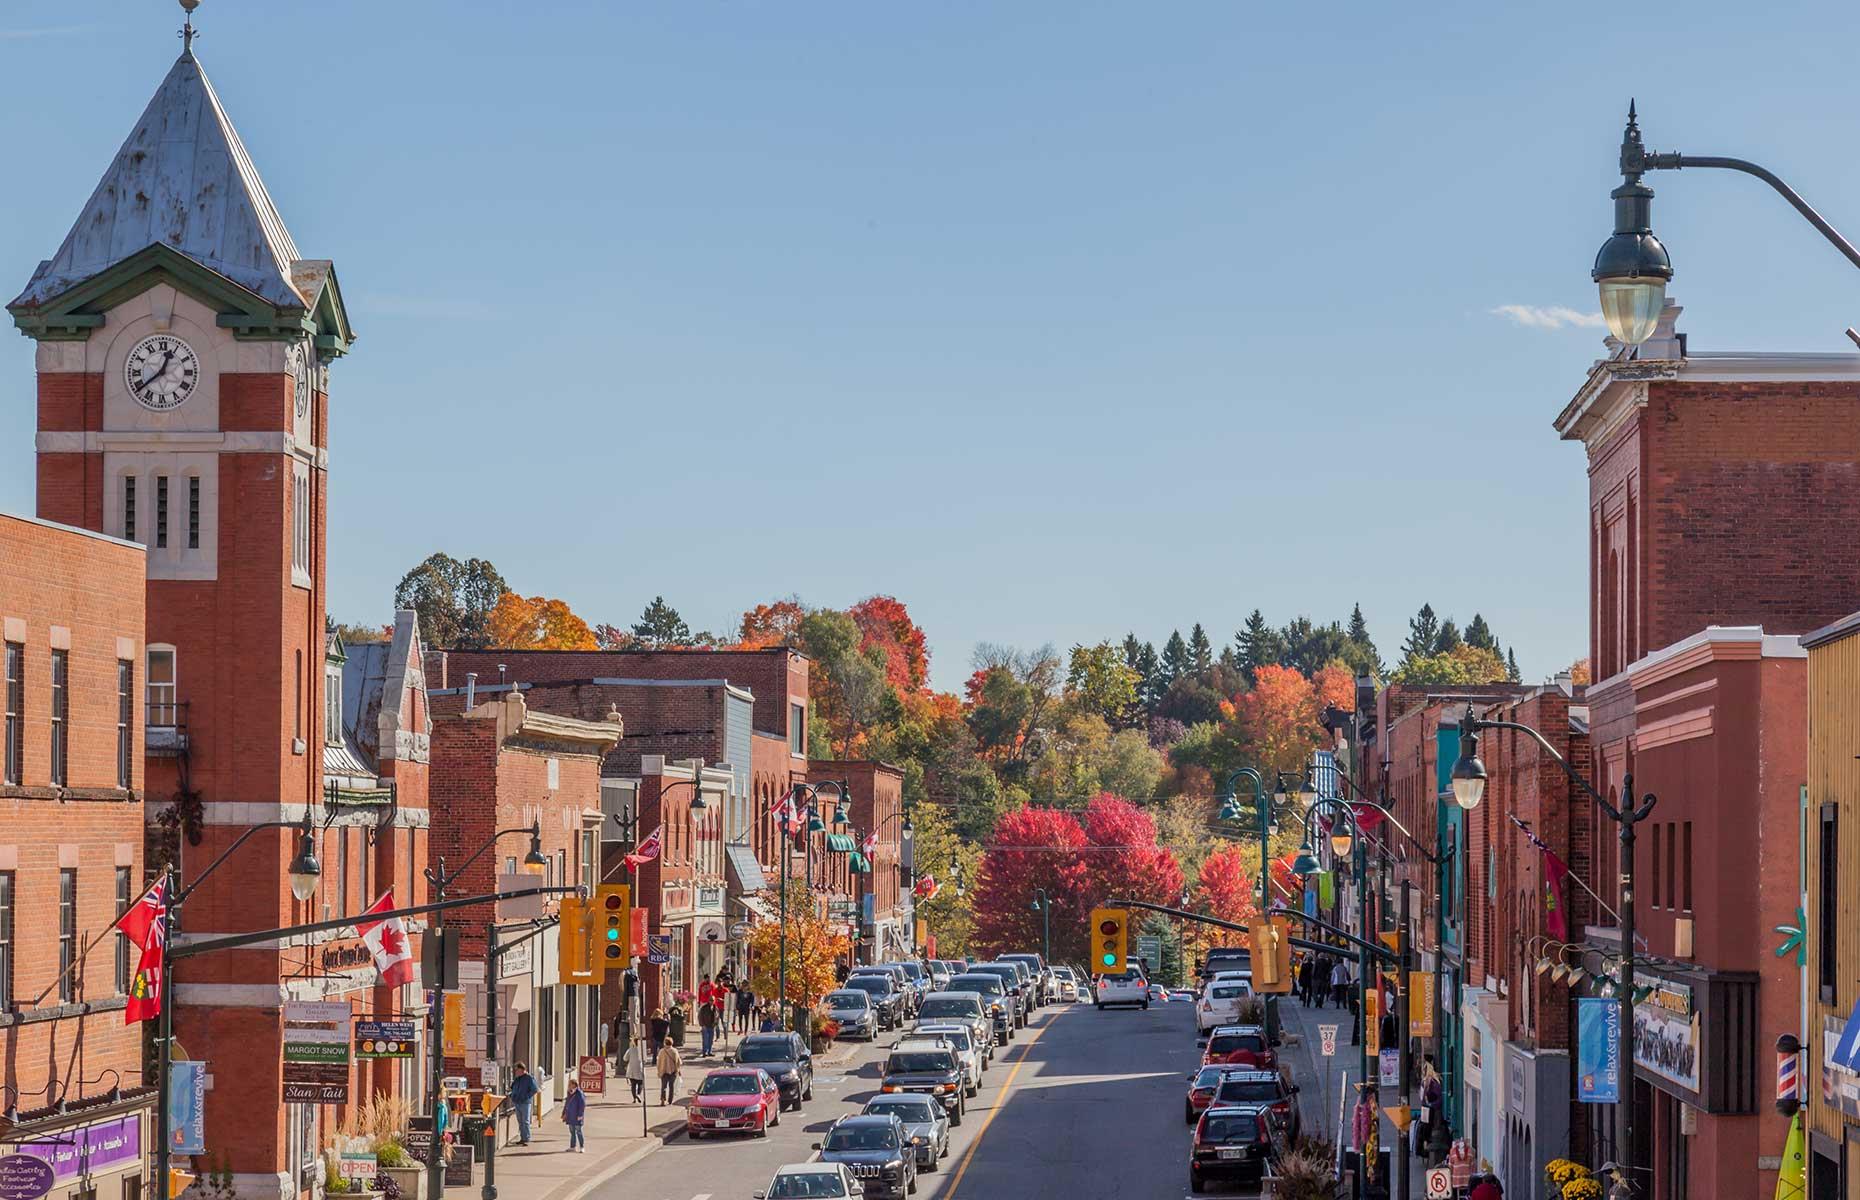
(1830, 901)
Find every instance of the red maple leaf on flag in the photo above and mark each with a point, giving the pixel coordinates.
(393, 941)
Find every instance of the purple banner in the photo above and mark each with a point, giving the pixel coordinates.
(93, 1148)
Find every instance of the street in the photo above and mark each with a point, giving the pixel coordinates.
(1083, 1103)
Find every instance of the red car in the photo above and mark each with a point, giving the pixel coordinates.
(1239, 1046)
(1201, 1088)
(734, 1100)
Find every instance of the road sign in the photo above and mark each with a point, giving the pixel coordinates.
(1149, 949)
(1327, 1036)
(1439, 1183)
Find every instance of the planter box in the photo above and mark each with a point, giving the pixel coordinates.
(412, 1180)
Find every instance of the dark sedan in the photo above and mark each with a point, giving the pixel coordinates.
(785, 1057)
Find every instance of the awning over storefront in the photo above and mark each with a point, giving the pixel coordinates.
(745, 870)
(760, 909)
(859, 864)
(842, 843)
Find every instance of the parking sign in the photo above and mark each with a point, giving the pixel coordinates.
(1439, 1183)
(1327, 1037)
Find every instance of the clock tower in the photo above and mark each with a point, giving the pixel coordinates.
(184, 348)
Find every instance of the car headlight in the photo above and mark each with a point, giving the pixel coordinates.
(789, 1076)
(918, 1141)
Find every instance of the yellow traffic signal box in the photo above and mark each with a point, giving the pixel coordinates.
(1110, 940)
(1271, 945)
(613, 919)
(575, 942)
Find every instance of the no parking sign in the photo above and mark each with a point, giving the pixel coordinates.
(1439, 1183)
(1327, 1038)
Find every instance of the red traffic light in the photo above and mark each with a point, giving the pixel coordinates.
(613, 902)
(1108, 928)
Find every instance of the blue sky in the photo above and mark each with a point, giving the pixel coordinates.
(1053, 320)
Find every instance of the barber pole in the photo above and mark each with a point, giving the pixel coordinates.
(1788, 1075)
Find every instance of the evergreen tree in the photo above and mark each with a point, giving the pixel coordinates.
(1310, 647)
(1259, 645)
(1511, 667)
(1423, 631)
(1175, 659)
(1200, 650)
(1361, 653)
(1150, 667)
(660, 625)
(1449, 637)
(1359, 628)
(1479, 634)
(1230, 659)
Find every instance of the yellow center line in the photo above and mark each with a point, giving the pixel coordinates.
(968, 1157)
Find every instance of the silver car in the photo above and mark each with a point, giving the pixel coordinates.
(961, 1038)
(926, 1125)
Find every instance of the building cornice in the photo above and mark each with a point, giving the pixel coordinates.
(1714, 643)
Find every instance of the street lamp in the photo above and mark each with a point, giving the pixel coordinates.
(304, 869)
(1632, 268)
(802, 795)
(1626, 816)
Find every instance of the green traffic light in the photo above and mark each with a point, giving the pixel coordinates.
(1110, 960)
(613, 935)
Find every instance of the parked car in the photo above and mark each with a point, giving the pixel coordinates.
(965, 1008)
(887, 998)
(1009, 975)
(1066, 982)
(1157, 993)
(915, 977)
(994, 994)
(1240, 1046)
(1029, 978)
(734, 1100)
(853, 1010)
(939, 973)
(1042, 978)
(811, 1181)
(1201, 1088)
(929, 1068)
(1233, 1143)
(1248, 1087)
(907, 993)
(1225, 958)
(784, 1056)
(926, 1125)
(961, 1039)
(874, 1149)
(1220, 1003)
(1129, 988)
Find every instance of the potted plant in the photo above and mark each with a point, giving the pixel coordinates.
(825, 1030)
(1571, 1181)
(394, 1165)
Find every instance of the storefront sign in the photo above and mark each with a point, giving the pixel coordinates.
(453, 1032)
(187, 1108)
(356, 1163)
(24, 1177)
(739, 930)
(591, 1071)
(1666, 1044)
(1598, 1050)
(384, 1039)
(515, 962)
(458, 1164)
(659, 948)
(91, 1149)
(710, 931)
(418, 1143)
(1517, 1089)
(710, 899)
(316, 1052)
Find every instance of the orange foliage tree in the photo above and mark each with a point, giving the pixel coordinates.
(1275, 726)
(538, 623)
(774, 624)
(814, 948)
(884, 622)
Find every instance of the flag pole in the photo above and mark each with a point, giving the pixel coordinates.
(164, 1037)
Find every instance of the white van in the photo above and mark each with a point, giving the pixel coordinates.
(1220, 1003)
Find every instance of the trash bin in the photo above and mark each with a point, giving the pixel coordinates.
(477, 1132)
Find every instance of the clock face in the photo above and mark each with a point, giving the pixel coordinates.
(301, 382)
(162, 371)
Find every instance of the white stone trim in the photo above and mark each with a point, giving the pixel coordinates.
(239, 441)
(241, 812)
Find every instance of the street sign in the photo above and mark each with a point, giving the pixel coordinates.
(1149, 949)
(1327, 1037)
(659, 948)
(1439, 1183)
(384, 1039)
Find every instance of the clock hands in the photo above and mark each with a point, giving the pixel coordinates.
(167, 358)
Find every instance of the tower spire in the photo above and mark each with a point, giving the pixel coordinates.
(187, 27)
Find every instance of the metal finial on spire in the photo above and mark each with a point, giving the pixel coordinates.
(187, 25)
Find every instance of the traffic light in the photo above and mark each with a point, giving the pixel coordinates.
(574, 942)
(1110, 940)
(613, 924)
(179, 1181)
(1270, 943)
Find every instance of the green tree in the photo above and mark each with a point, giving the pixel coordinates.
(1449, 637)
(1149, 665)
(453, 600)
(1259, 645)
(1200, 650)
(1359, 628)
(1463, 664)
(1100, 680)
(1176, 661)
(1423, 632)
(1511, 667)
(847, 684)
(1479, 634)
(660, 627)
(938, 843)
(1308, 647)
(1361, 656)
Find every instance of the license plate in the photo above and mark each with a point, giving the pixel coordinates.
(726, 1121)
(1232, 1152)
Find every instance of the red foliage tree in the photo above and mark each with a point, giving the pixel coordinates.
(1126, 863)
(769, 625)
(1031, 848)
(1224, 889)
(884, 622)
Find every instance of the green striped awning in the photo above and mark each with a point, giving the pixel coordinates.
(859, 864)
(842, 843)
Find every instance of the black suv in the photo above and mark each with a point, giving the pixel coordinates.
(1269, 1089)
(887, 998)
(785, 1057)
(1011, 979)
(875, 1150)
(932, 1070)
(1234, 1142)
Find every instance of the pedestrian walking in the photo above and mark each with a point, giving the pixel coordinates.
(523, 1091)
(574, 1112)
(1320, 981)
(659, 1027)
(745, 1005)
(1340, 983)
(669, 1062)
(1431, 1093)
(636, 1068)
(707, 1024)
(1305, 970)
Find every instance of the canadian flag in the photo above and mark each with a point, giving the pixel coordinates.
(869, 847)
(387, 941)
(788, 813)
(648, 849)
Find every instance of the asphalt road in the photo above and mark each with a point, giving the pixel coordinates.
(1083, 1104)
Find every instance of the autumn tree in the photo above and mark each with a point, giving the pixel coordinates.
(360, 635)
(538, 623)
(1579, 672)
(1274, 727)
(1081, 756)
(813, 947)
(1464, 664)
(777, 623)
(1125, 861)
(453, 600)
(1224, 886)
(1032, 848)
(938, 846)
(1100, 681)
(885, 626)
(845, 682)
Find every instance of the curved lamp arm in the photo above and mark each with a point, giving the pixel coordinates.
(1674, 162)
(534, 829)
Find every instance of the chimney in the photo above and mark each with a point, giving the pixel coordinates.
(471, 690)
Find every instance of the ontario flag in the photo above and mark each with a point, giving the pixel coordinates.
(387, 941)
(143, 921)
(648, 849)
(146, 924)
(1556, 916)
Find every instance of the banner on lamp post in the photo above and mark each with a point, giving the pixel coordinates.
(1598, 1050)
(1420, 1004)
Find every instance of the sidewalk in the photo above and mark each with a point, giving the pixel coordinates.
(1296, 1019)
(619, 1134)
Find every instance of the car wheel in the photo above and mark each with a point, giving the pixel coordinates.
(809, 1093)
(696, 1134)
(1194, 1181)
(911, 1187)
(775, 1117)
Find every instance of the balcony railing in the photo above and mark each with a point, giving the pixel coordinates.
(165, 727)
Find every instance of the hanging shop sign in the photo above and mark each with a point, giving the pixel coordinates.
(187, 1108)
(1598, 1050)
(91, 1149)
(24, 1177)
(316, 1052)
(384, 1039)
(1666, 1044)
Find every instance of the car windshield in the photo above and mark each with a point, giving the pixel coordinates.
(850, 999)
(1228, 991)
(907, 1108)
(985, 984)
(862, 1137)
(1230, 1129)
(753, 1051)
(1208, 1077)
(1063, 972)
(920, 1060)
(729, 1085)
(913, 970)
(813, 1186)
(1227, 1043)
(1242, 1091)
(950, 1006)
(877, 985)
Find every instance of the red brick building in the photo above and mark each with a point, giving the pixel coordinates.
(503, 766)
(183, 357)
(71, 857)
(881, 892)
(1721, 505)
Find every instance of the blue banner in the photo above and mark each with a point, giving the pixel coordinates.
(187, 1107)
(1598, 1050)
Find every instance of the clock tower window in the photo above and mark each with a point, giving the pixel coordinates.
(193, 512)
(161, 512)
(129, 508)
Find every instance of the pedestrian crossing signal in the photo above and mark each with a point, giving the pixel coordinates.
(1110, 939)
(612, 905)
